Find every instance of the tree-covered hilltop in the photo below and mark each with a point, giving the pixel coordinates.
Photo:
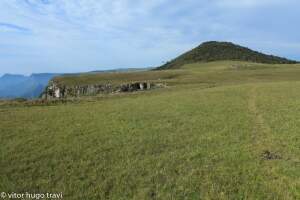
(216, 51)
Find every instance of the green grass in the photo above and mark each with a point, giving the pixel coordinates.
(116, 77)
(203, 137)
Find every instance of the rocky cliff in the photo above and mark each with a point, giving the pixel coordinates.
(55, 90)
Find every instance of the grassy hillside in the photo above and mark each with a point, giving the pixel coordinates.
(115, 77)
(195, 73)
(221, 130)
(218, 51)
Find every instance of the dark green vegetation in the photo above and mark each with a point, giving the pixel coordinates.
(218, 51)
(221, 130)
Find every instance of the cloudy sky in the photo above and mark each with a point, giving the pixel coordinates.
(83, 35)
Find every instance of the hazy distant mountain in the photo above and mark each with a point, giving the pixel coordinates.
(217, 51)
(12, 86)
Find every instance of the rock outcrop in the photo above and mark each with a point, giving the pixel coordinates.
(56, 91)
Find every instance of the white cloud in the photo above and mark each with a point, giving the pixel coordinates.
(247, 3)
(79, 33)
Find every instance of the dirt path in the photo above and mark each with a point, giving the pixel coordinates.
(265, 149)
(263, 145)
(260, 125)
(261, 128)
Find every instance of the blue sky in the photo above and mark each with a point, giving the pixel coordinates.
(83, 35)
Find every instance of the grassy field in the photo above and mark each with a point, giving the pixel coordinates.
(223, 130)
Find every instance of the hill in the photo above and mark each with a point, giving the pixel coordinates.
(217, 51)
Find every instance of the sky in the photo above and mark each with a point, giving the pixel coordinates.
(67, 36)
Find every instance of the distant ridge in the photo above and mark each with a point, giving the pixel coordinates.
(30, 87)
(217, 51)
(20, 86)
